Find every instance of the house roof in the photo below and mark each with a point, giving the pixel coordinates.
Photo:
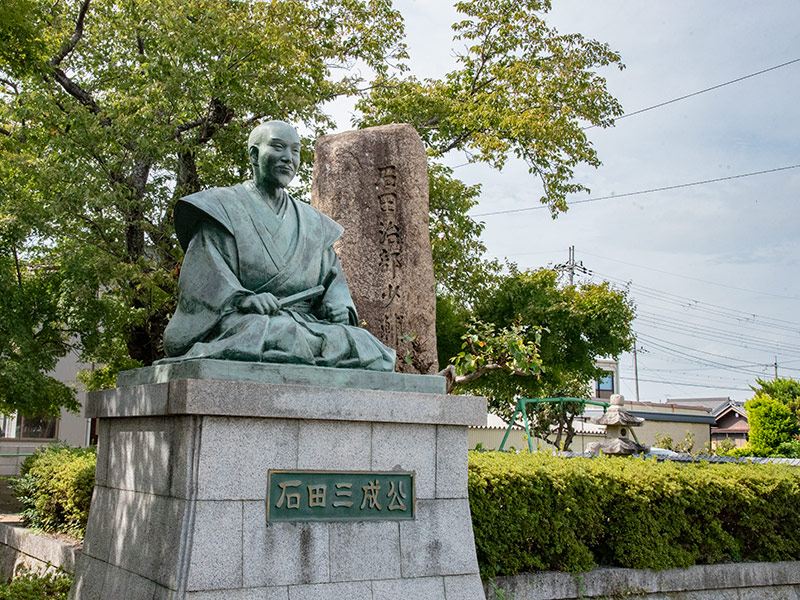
(710, 403)
(731, 406)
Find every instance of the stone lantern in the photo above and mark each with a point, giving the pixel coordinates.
(619, 426)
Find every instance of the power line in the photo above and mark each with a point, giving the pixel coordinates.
(680, 383)
(706, 362)
(730, 287)
(640, 192)
(714, 309)
(714, 87)
(695, 359)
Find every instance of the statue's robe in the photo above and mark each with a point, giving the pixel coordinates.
(237, 245)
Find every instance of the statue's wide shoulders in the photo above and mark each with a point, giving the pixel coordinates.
(211, 203)
(329, 230)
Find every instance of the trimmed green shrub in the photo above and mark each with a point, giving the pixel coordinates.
(539, 512)
(771, 423)
(30, 586)
(55, 489)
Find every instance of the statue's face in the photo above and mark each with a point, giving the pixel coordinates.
(278, 156)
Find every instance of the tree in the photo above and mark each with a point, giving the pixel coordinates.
(112, 110)
(31, 340)
(783, 389)
(115, 109)
(521, 89)
(772, 414)
(772, 423)
(573, 325)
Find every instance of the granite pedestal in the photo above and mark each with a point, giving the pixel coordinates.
(180, 511)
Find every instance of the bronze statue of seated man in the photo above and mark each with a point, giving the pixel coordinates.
(260, 280)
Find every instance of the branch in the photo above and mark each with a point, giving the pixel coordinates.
(11, 84)
(453, 379)
(189, 125)
(69, 45)
(16, 264)
(101, 232)
(81, 95)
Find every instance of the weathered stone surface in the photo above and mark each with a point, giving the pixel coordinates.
(406, 448)
(23, 547)
(216, 551)
(436, 543)
(430, 588)
(762, 581)
(463, 587)
(303, 555)
(223, 475)
(451, 462)
(249, 399)
(329, 446)
(374, 182)
(364, 550)
(281, 593)
(182, 510)
(358, 590)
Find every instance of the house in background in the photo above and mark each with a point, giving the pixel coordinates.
(490, 436)
(608, 384)
(730, 419)
(732, 424)
(21, 436)
(672, 419)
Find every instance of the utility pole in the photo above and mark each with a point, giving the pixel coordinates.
(571, 266)
(636, 368)
(776, 367)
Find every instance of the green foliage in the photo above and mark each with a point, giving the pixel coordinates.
(55, 489)
(510, 349)
(32, 339)
(21, 43)
(772, 423)
(34, 586)
(521, 89)
(790, 449)
(461, 271)
(782, 389)
(664, 440)
(540, 512)
(122, 107)
(577, 325)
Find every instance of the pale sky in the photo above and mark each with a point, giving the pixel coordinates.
(713, 268)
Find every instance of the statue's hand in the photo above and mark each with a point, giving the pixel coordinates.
(335, 314)
(263, 304)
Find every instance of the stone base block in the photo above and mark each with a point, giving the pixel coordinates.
(179, 508)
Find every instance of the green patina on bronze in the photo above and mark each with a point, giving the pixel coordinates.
(260, 281)
(339, 496)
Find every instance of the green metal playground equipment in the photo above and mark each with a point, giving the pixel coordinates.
(522, 403)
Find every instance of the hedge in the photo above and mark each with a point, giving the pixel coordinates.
(37, 586)
(538, 512)
(55, 489)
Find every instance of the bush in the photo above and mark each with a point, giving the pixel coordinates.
(540, 512)
(771, 423)
(29, 586)
(790, 449)
(55, 489)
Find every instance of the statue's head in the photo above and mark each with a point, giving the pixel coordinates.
(274, 150)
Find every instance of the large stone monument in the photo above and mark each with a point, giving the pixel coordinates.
(374, 182)
(272, 456)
